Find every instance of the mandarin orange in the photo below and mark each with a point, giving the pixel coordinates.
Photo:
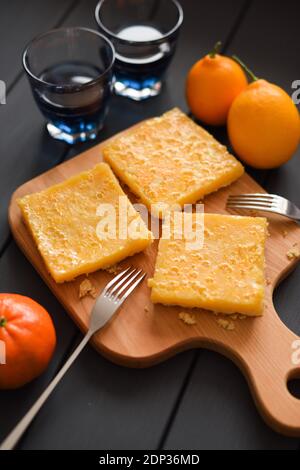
(212, 84)
(264, 125)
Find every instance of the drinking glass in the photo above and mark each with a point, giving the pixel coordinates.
(70, 73)
(144, 34)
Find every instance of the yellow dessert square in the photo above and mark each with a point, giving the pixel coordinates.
(225, 275)
(65, 222)
(171, 160)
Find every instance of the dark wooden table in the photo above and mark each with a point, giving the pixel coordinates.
(197, 400)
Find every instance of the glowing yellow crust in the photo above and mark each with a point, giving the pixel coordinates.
(62, 220)
(170, 159)
(226, 275)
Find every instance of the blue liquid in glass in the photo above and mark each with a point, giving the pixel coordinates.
(70, 107)
(141, 67)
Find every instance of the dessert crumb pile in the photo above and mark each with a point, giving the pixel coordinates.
(114, 269)
(87, 288)
(294, 252)
(187, 318)
(226, 324)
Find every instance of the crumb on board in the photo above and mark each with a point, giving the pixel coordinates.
(187, 318)
(87, 288)
(268, 281)
(234, 316)
(146, 309)
(114, 269)
(284, 233)
(226, 324)
(293, 252)
(237, 316)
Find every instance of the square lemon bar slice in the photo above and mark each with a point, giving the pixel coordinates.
(225, 274)
(171, 160)
(73, 230)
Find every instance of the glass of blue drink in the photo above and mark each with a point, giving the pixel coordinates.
(70, 73)
(144, 34)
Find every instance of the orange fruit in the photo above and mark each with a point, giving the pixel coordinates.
(211, 86)
(264, 125)
(28, 335)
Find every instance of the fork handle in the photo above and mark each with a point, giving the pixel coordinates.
(12, 439)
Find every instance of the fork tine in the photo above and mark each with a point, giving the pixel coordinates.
(273, 200)
(132, 275)
(124, 287)
(264, 202)
(136, 283)
(252, 207)
(249, 202)
(251, 198)
(115, 279)
(253, 195)
(121, 281)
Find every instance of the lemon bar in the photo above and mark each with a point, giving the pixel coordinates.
(64, 222)
(171, 160)
(225, 275)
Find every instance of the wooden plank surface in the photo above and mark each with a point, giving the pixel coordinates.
(265, 39)
(18, 278)
(202, 25)
(20, 22)
(123, 113)
(103, 406)
(34, 153)
(217, 412)
(136, 339)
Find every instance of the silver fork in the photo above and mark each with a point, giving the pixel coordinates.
(109, 301)
(265, 203)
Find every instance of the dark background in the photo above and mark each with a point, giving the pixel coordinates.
(198, 399)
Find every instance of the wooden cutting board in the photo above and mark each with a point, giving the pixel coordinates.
(142, 334)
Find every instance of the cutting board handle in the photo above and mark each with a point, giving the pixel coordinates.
(275, 360)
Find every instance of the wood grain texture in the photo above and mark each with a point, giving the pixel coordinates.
(20, 119)
(261, 347)
(19, 278)
(100, 405)
(133, 406)
(217, 412)
(198, 419)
